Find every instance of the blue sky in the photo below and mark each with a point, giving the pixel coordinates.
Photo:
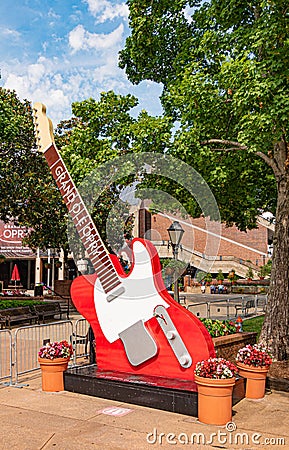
(62, 51)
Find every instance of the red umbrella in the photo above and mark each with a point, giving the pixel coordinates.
(15, 274)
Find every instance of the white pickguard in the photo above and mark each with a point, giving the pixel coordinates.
(136, 303)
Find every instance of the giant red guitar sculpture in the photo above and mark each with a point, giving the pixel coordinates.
(138, 327)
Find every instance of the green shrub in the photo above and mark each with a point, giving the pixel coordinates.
(219, 327)
(266, 269)
(206, 276)
(220, 275)
(5, 304)
(250, 273)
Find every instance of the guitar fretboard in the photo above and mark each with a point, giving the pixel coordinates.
(84, 224)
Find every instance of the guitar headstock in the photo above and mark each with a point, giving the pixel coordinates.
(43, 127)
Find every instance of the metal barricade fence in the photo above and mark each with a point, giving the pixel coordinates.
(80, 340)
(200, 309)
(226, 308)
(29, 339)
(6, 363)
(19, 350)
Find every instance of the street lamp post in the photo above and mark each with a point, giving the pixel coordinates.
(48, 266)
(53, 254)
(176, 232)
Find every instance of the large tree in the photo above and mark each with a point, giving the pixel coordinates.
(101, 132)
(28, 193)
(224, 68)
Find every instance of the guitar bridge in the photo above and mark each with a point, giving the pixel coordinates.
(173, 337)
(138, 344)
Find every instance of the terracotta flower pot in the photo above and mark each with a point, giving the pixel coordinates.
(255, 379)
(215, 400)
(52, 373)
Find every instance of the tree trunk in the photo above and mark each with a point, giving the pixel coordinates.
(275, 330)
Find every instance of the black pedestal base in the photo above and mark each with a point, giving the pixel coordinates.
(154, 392)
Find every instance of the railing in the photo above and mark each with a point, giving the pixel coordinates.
(229, 305)
(80, 340)
(19, 348)
(6, 356)
(205, 257)
(198, 313)
(29, 339)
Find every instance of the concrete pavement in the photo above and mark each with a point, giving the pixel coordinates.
(34, 420)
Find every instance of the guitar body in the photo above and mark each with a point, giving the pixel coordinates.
(144, 290)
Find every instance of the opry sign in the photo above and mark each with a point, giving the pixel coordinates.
(11, 237)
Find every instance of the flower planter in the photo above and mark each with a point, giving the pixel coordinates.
(215, 400)
(52, 373)
(227, 346)
(255, 379)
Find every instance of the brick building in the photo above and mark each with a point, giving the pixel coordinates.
(208, 245)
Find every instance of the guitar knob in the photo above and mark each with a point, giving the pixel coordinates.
(171, 335)
(185, 360)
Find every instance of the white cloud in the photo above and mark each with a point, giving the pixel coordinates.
(111, 12)
(78, 64)
(106, 10)
(58, 82)
(52, 14)
(9, 33)
(87, 65)
(35, 72)
(40, 83)
(80, 39)
(77, 38)
(109, 76)
(17, 83)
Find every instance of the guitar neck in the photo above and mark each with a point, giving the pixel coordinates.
(83, 222)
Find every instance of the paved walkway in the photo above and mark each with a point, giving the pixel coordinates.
(34, 420)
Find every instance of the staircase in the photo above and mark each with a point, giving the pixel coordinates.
(206, 263)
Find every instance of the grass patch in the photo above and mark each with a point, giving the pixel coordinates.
(254, 324)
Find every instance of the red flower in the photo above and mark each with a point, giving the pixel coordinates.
(256, 355)
(217, 368)
(54, 350)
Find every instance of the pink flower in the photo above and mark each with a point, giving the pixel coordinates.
(256, 355)
(54, 350)
(217, 368)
